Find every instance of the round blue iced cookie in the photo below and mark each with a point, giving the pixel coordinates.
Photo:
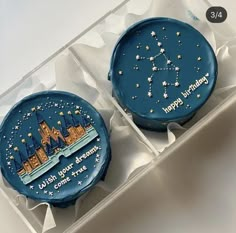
(54, 147)
(162, 70)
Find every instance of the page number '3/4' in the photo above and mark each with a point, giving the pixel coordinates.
(216, 14)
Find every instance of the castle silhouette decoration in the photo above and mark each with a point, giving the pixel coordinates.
(38, 158)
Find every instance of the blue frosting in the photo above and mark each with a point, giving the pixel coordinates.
(162, 70)
(54, 147)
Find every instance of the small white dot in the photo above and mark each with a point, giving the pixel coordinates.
(147, 47)
(137, 85)
(168, 61)
(164, 83)
(153, 33)
(159, 44)
(149, 94)
(163, 28)
(120, 72)
(178, 33)
(151, 58)
(151, 110)
(149, 79)
(198, 96)
(199, 58)
(165, 96)
(207, 75)
(137, 57)
(177, 84)
(154, 68)
(179, 56)
(162, 50)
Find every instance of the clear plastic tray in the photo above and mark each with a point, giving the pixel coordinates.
(72, 69)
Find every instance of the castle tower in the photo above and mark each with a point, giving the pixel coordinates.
(61, 143)
(18, 166)
(72, 129)
(85, 122)
(44, 127)
(42, 155)
(78, 126)
(72, 137)
(45, 131)
(48, 149)
(54, 145)
(32, 157)
(34, 142)
(24, 160)
(39, 150)
(64, 133)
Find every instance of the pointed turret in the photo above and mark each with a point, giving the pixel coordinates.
(35, 142)
(21, 156)
(49, 149)
(85, 121)
(75, 120)
(18, 166)
(66, 120)
(30, 150)
(53, 143)
(39, 117)
(63, 130)
(61, 143)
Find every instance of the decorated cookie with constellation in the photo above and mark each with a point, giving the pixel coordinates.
(54, 147)
(162, 70)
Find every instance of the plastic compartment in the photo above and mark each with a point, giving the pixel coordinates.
(191, 189)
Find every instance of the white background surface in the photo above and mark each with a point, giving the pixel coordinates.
(30, 31)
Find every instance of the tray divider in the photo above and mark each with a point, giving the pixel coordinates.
(117, 106)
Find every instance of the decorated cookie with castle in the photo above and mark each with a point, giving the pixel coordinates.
(54, 147)
(162, 70)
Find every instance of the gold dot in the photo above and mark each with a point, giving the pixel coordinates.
(61, 114)
(16, 148)
(69, 112)
(29, 134)
(11, 157)
(77, 112)
(33, 109)
(59, 122)
(23, 140)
